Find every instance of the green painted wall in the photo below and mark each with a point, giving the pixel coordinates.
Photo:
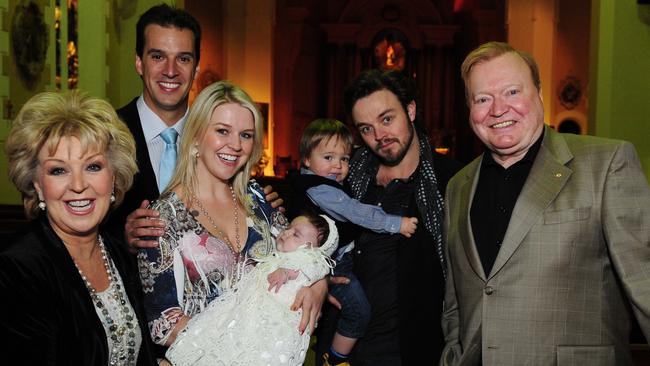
(106, 48)
(7, 193)
(620, 75)
(13, 91)
(92, 26)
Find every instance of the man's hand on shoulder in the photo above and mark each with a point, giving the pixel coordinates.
(274, 198)
(143, 227)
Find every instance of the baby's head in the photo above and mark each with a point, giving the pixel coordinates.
(325, 148)
(309, 229)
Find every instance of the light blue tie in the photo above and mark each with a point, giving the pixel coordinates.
(168, 158)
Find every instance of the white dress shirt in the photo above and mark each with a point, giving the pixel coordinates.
(152, 126)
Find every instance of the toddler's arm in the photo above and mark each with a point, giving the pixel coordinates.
(336, 203)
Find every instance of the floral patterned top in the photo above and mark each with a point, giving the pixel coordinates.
(191, 267)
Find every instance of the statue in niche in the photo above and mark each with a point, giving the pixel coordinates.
(29, 41)
(390, 55)
(390, 50)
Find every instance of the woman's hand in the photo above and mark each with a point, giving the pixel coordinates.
(310, 300)
(143, 227)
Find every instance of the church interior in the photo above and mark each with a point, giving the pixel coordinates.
(295, 57)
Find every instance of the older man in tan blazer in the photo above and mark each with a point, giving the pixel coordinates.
(548, 235)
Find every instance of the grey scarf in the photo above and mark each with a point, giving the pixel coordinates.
(364, 167)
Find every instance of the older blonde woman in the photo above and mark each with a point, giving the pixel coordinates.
(70, 291)
(216, 220)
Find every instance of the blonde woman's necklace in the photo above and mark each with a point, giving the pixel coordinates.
(236, 247)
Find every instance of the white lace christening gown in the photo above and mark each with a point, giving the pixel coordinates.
(250, 325)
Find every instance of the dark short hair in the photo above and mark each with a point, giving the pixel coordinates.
(322, 227)
(374, 80)
(167, 16)
(323, 129)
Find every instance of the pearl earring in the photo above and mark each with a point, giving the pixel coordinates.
(42, 205)
(113, 196)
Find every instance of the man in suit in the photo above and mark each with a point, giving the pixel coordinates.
(168, 49)
(167, 59)
(548, 235)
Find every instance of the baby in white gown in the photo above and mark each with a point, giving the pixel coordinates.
(253, 324)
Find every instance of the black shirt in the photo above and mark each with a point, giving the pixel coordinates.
(398, 272)
(494, 200)
(403, 276)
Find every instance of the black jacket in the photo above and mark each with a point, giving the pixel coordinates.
(48, 317)
(144, 183)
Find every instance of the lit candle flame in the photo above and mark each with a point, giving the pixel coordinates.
(390, 56)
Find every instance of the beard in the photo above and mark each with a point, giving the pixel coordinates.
(393, 159)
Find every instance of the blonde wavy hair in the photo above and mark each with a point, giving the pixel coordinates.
(48, 117)
(219, 93)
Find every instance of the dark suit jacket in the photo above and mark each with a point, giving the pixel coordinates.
(144, 183)
(48, 317)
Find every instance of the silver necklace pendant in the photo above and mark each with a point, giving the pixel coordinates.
(235, 249)
(123, 350)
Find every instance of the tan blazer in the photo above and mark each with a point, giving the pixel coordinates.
(573, 267)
